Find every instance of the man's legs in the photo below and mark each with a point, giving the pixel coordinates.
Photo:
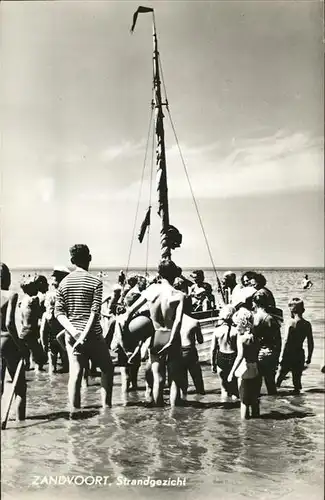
(284, 370)
(196, 374)
(99, 353)
(149, 382)
(296, 380)
(77, 363)
(269, 375)
(158, 371)
(177, 374)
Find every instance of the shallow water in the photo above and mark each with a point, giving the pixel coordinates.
(279, 455)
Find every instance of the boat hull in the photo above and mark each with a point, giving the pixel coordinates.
(207, 321)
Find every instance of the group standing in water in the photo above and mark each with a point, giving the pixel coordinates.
(151, 322)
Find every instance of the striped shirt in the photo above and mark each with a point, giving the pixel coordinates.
(79, 294)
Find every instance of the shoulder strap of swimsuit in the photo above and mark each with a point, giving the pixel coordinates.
(228, 334)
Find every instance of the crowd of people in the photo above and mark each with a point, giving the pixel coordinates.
(152, 321)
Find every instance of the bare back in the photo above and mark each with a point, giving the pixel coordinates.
(189, 331)
(4, 300)
(163, 302)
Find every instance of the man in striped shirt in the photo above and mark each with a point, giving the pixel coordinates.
(77, 308)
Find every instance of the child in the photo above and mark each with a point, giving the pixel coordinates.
(293, 357)
(245, 365)
(42, 288)
(50, 328)
(224, 351)
(30, 315)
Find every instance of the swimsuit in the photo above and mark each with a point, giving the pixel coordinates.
(159, 339)
(189, 355)
(225, 361)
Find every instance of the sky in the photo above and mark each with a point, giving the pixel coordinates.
(245, 87)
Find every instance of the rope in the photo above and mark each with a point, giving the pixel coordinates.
(139, 195)
(190, 186)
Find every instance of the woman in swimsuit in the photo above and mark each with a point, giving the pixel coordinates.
(224, 351)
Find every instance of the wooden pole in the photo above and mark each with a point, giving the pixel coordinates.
(5, 417)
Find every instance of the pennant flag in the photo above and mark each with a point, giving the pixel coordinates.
(135, 15)
(144, 225)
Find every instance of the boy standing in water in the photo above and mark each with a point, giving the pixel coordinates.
(293, 358)
(190, 333)
(30, 315)
(77, 308)
(50, 328)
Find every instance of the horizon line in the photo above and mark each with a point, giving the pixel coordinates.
(186, 268)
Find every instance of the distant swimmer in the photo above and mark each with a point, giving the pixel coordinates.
(306, 283)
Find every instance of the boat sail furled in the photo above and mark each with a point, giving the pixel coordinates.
(170, 237)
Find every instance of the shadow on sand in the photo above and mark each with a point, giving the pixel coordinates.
(276, 415)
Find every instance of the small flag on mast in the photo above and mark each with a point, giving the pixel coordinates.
(145, 224)
(135, 15)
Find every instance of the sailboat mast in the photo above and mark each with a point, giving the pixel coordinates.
(162, 188)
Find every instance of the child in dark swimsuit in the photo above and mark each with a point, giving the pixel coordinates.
(50, 328)
(293, 357)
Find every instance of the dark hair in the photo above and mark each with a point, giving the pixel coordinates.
(230, 277)
(167, 269)
(41, 281)
(142, 283)
(29, 285)
(59, 275)
(260, 280)
(261, 299)
(80, 254)
(5, 276)
(249, 274)
(296, 306)
(179, 272)
(132, 280)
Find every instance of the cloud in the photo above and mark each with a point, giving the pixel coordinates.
(124, 150)
(279, 163)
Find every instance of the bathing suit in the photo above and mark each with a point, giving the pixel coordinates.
(189, 355)
(248, 374)
(225, 361)
(158, 341)
(123, 356)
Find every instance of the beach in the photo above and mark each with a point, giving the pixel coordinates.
(203, 444)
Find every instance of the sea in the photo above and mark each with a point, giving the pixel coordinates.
(202, 450)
